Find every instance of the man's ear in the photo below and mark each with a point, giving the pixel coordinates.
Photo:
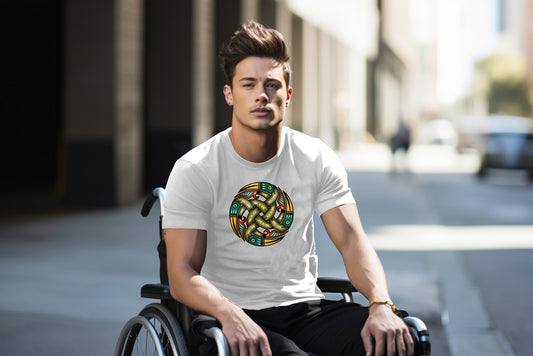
(288, 99)
(228, 95)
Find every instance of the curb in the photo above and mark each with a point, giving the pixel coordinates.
(468, 328)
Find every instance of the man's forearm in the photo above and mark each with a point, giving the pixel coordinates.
(193, 290)
(365, 270)
(360, 259)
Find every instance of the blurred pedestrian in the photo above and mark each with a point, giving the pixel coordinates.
(399, 145)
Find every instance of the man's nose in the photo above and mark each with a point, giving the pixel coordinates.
(262, 96)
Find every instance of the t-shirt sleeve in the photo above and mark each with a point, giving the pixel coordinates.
(333, 189)
(187, 198)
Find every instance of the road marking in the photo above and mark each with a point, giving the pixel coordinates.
(377, 157)
(445, 238)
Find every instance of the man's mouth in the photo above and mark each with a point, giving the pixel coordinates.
(261, 111)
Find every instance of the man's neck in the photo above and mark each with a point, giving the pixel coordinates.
(255, 146)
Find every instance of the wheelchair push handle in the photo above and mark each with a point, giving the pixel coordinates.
(157, 193)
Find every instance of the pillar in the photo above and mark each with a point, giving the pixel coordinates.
(249, 10)
(103, 101)
(227, 19)
(309, 90)
(326, 92)
(268, 12)
(297, 101)
(203, 68)
(170, 87)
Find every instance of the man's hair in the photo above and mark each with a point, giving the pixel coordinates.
(254, 40)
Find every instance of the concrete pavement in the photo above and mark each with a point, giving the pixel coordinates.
(70, 281)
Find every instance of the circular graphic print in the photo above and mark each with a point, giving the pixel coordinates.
(261, 214)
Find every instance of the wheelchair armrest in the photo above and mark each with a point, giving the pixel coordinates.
(156, 291)
(210, 327)
(420, 335)
(335, 285)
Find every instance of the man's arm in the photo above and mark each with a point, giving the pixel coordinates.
(186, 251)
(383, 329)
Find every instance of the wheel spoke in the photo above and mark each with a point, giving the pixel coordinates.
(159, 323)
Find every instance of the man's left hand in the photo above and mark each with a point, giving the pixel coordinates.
(385, 333)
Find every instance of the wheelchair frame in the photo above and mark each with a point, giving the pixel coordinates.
(164, 323)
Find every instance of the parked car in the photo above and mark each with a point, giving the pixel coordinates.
(507, 143)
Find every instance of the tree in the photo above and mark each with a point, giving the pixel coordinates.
(502, 80)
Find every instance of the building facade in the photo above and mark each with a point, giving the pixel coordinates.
(103, 96)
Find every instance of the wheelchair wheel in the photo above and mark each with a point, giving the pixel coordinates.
(154, 331)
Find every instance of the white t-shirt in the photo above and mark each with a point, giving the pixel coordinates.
(258, 216)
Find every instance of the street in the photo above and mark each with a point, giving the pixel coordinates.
(437, 223)
(472, 241)
(457, 253)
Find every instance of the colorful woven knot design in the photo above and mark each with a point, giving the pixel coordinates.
(261, 214)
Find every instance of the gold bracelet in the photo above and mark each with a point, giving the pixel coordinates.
(392, 306)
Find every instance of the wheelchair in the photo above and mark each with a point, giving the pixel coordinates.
(170, 328)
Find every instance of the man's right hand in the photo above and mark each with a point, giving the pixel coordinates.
(243, 335)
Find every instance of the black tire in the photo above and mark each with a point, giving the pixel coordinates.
(138, 341)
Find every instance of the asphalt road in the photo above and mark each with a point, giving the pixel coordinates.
(483, 230)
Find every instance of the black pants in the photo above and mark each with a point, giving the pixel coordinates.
(323, 328)
(320, 328)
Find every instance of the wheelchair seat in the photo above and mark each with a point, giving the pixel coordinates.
(171, 328)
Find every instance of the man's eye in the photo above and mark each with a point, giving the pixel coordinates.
(272, 86)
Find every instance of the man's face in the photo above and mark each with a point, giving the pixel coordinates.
(259, 94)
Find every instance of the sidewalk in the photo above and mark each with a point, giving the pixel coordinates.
(68, 276)
(70, 281)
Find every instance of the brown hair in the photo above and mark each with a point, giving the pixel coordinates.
(254, 40)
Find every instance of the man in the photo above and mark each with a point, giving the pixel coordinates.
(239, 230)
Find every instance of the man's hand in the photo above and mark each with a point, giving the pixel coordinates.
(385, 333)
(243, 335)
